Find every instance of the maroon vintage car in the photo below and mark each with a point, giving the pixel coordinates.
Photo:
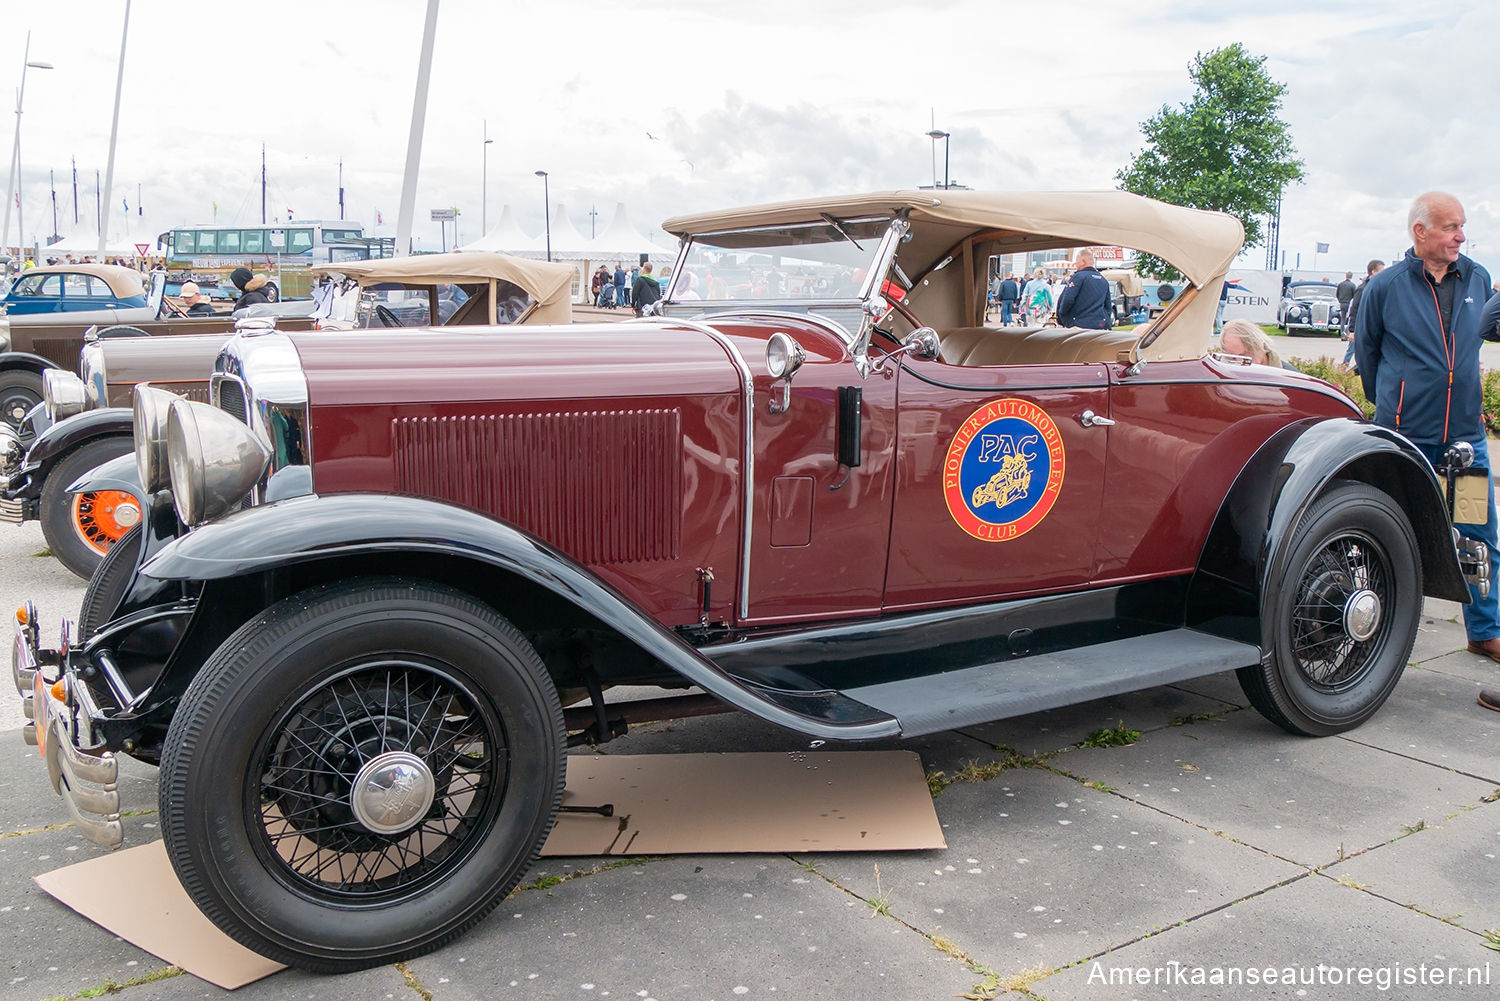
(817, 488)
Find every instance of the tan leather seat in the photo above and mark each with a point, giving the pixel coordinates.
(981, 346)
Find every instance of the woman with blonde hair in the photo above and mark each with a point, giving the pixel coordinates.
(1036, 300)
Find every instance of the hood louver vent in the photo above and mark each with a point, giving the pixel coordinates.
(602, 486)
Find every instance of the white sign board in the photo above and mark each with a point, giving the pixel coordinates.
(1253, 295)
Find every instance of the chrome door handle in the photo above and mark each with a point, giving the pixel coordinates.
(1088, 419)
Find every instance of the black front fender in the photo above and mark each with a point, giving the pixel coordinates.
(1287, 474)
(311, 529)
(26, 361)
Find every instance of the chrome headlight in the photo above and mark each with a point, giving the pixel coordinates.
(783, 356)
(62, 394)
(214, 460)
(149, 425)
(95, 378)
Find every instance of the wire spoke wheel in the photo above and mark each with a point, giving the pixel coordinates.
(101, 517)
(1348, 579)
(1339, 616)
(378, 782)
(361, 772)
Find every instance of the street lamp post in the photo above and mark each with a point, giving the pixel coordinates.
(484, 185)
(13, 188)
(546, 210)
(935, 135)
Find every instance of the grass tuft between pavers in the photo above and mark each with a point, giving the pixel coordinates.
(113, 986)
(982, 771)
(1111, 736)
(547, 882)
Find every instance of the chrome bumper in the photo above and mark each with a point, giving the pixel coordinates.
(12, 512)
(86, 778)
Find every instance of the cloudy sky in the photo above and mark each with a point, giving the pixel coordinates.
(673, 107)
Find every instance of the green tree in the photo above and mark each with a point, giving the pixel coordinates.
(1227, 149)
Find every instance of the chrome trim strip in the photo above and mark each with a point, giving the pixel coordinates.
(747, 471)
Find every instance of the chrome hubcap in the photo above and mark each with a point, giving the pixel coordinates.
(392, 792)
(1362, 614)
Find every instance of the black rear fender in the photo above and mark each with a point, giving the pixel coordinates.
(1287, 474)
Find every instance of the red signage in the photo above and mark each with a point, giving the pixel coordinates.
(141, 248)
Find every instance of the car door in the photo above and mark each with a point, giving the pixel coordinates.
(999, 480)
(35, 294)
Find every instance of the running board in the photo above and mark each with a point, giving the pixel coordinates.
(933, 703)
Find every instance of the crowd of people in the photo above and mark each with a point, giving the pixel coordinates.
(1083, 299)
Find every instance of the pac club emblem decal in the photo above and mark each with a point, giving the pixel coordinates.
(1004, 470)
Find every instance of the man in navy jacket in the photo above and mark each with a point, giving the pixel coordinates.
(1086, 300)
(1417, 339)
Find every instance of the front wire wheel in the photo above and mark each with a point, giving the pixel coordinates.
(377, 783)
(361, 773)
(1343, 614)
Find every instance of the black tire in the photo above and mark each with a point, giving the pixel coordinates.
(273, 731)
(20, 390)
(78, 529)
(1321, 677)
(111, 577)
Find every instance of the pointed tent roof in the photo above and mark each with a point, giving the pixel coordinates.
(506, 237)
(567, 242)
(622, 239)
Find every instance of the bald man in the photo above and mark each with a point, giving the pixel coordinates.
(1417, 335)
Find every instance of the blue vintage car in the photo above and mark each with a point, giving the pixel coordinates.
(78, 288)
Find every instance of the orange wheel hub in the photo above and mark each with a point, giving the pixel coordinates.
(101, 517)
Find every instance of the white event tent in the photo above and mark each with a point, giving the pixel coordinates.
(82, 245)
(620, 243)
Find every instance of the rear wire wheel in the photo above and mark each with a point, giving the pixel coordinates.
(361, 773)
(1343, 614)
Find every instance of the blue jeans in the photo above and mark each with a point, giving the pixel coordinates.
(1349, 353)
(1007, 307)
(1481, 615)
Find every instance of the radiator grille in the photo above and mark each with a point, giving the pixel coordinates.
(603, 486)
(1320, 312)
(232, 400)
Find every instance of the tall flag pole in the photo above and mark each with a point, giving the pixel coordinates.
(75, 191)
(341, 189)
(114, 131)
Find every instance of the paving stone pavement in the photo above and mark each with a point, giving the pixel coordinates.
(1216, 843)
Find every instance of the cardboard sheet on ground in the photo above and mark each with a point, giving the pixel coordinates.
(692, 804)
(135, 894)
(664, 804)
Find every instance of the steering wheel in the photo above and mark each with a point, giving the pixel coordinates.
(387, 318)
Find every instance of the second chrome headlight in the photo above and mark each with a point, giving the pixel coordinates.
(214, 460)
(149, 426)
(63, 393)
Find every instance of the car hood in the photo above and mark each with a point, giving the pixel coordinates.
(159, 359)
(488, 364)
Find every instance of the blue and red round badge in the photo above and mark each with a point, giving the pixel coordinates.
(1004, 470)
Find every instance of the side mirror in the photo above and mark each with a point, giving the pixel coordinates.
(920, 343)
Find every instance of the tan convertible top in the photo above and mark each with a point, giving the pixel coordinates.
(123, 282)
(546, 282)
(1199, 244)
